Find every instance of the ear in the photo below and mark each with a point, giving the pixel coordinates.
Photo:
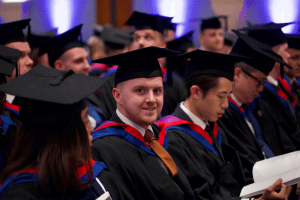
(196, 92)
(200, 37)
(58, 65)
(116, 94)
(163, 44)
(237, 73)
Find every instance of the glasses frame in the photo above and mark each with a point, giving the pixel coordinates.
(260, 83)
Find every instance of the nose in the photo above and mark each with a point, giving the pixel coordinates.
(29, 62)
(225, 104)
(141, 42)
(150, 97)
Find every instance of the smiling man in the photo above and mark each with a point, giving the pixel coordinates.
(131, 145)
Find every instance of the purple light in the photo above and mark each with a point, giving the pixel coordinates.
(61, 12)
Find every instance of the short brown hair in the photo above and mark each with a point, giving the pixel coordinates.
(246, 67)
(204, 82)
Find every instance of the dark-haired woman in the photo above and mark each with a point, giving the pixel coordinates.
(51, 158)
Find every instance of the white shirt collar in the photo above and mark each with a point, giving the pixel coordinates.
(10, 98)
(292, 80)
(272, 81)
(193, 117)
(131, 123)
(235, 100)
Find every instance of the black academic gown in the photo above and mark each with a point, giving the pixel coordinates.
(283, 117)
(238, 135)
(32, 191)
(139, 174)
(172, 95)
(207, 173)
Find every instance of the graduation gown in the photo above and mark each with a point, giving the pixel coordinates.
(26, 187)
(283, 117)
(136, 169)
(238, 135)
(209, 176)
(172, 95)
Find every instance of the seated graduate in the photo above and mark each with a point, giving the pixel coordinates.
(131, 145)
(294, 73)
(195, 142)
(277, 92)
(148, 31)
(247, 123)
(8, 62)
(196, 149)
(51, 158)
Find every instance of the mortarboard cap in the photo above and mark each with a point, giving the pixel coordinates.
(98, 30)
(50, 94)
(166, 23)
(263, 57)
(210, 63)
(62, 43)
(141, 63)
(37, 39)
(182, 43)
(8, 59)
(143, 21)
(293, 41)
(212, 22)
(270, 33)
(116, 38)
(13, 31)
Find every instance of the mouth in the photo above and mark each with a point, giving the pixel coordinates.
(220, 114)
(149, 108)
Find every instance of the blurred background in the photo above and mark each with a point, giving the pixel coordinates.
(65, 14)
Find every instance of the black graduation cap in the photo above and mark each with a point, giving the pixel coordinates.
(263, 57)
(210, 63)
(145, 21)
(182, 43)
(13, 31)
(212, 22)
(8, 59)
(116, 38)
(37, 39)
(62, 43)
(293, 41)
(166, 23)
(270, 33)
(141, 63)
(50, 94)
(98, 30)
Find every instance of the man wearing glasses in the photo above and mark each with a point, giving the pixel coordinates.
(247, 123)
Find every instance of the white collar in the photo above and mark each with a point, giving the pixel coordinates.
(235, 100)
(131, 123)
(272, 80)
(10, 98)
(292, 80)
(193, 117)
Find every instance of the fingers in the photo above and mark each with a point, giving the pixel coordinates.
(275, 186)
(298, 189)
(288, 192)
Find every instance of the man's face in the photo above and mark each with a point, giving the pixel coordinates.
(24, 63)
(169, 35)
(281, 49)
(85, 120)
(246, 88)
(146, 38)
(140, 99)
(75, 59)
(44, 60)
(212, 39)
(213, 105)
(294, 62)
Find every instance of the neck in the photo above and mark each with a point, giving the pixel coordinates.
(275, 72)
(237, 95)
(191, 105)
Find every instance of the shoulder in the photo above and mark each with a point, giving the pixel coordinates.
(23, 191)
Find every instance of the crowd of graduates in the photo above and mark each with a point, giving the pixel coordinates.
(141, 115)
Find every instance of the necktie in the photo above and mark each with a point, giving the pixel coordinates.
(216, 143)
(161, 153)
(262, 144)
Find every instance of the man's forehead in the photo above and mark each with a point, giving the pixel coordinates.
(145, 31)
(21, 46)
(76, 52)
(294, 51)
(144, 82)
(212, 30)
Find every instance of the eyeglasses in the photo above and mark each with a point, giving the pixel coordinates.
(259, 81)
